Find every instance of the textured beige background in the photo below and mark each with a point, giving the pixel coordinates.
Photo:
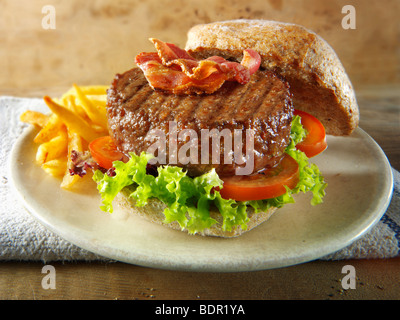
(93, 40)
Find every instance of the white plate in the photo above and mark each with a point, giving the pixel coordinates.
(359, 189)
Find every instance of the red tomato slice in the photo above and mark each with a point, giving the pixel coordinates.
(315, 142)
(104, 152)
(265, 185)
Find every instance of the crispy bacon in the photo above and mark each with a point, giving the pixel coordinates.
(174, 70)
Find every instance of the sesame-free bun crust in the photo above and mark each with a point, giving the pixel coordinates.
(318, 81)
(153, 212)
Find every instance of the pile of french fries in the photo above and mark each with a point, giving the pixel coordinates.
(77, 118)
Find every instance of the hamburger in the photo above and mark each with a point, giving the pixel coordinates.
(214, 138)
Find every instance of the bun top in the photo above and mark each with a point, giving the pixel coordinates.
(318, 82)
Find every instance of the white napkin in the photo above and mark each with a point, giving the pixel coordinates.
(22, 238)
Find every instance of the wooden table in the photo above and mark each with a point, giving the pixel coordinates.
(376, 279)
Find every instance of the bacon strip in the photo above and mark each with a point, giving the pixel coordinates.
(174, 70)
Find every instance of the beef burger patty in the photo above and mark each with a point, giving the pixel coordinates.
(264, 105)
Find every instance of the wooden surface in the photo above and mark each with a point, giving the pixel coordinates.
(93, 41)
(375, 279)
(380, 118)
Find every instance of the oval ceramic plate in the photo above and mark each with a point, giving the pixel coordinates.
(359, 189)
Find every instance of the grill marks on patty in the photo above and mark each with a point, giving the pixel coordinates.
(264, 105)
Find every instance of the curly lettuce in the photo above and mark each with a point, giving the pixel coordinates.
(188, 200)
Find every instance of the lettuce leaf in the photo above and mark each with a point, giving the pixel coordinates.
(188, 200)
(311, 179)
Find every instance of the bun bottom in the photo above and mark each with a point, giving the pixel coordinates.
(153, 212)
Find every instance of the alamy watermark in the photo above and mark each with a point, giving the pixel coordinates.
(182, 146)
(349, 280)
(49, 20)
(49, 280)
(349, 20)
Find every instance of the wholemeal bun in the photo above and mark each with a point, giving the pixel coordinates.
(318, 81)
(153, 212)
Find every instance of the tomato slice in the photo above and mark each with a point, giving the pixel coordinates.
(268, 184)
(315, 142)
(104, 152)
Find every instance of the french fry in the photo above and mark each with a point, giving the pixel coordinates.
(55, 167)
(50, 130)
(34, 117)
(77, 118)
(74, 143)
(69, 181)
(89, 90)
(95, 90)
(53, 149)
(73, 121)
(94, 112)
(100, 101)
(70, 102)
(81, 111)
